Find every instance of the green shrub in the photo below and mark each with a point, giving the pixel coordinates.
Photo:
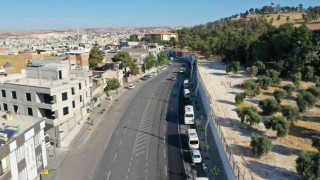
(289, 88)
(305, 100)
(251, 88)
(296, 78)
(315, 91)
(248, 115)
(291, 113)
(308, 165)
(264, 82)
(274, 76)
(278, 94)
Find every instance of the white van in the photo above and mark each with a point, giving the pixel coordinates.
(188, 114)
(186, 93)
(186, 83)
(193, 140)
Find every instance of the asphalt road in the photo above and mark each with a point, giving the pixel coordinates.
(145, 143)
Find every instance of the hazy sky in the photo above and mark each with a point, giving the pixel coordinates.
(60, 14)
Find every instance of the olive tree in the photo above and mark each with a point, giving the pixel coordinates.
(279, 124)
(305, 100)
(296, 78)
(251, 88)
(307, 165)
(269, 106)
(291, 113)
(278, 94)
(239, 98)
(264, 82)
(260, 145)
(249, 115)
(289, 88)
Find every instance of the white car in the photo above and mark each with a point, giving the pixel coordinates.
(173, 78)
(131, 86)
(154, 73)
(196, 156)
(47, 139)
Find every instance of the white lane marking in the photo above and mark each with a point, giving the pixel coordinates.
(130, 164)
(165, 169)
(109, 175)
(124, 132)
(164, 139)
(164, 152)
(120, 142)
(139, 153)
(140, 144)
(115, 156)
(128, 170)
(137, 150)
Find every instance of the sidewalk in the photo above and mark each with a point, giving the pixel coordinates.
(90, 123)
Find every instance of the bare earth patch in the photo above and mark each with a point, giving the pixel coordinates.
(280, 162)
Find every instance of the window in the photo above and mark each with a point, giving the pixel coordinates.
(15, 108)
(60, 74)
(23, 174)
(20, 153)
(73, 104)
(65, 111)
(36, 139)
(14, 95)
(28, 96)
(3, 92)
(86, 93)
(72, 91)
(64, 96)
(85, 82)
(79, 86)
(30, 113)
(5, 107)
(80, 98)
(4, 165)
(39, 160)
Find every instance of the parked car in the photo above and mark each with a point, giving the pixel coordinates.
(47, 139)
(131, 86)
(196, 156)
(154, 73)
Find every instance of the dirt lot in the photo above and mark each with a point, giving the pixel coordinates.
(280, 162)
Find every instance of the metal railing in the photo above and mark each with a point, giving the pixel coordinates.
(239, 174)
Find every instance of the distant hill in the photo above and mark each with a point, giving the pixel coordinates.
(295, 18)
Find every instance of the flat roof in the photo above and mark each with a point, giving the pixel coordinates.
(17, 125)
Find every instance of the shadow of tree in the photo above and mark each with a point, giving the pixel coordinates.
(311, 119)
(266, 171)
(303, 132)
(280, 149)
(240, 150)
(226, 102)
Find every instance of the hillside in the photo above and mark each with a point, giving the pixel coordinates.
(295, 18)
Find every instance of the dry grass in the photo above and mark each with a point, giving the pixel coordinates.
(304, 128)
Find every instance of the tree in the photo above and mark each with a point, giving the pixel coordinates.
(126, 60)
(308, 73)
(234, 67)
(291, 113)
(260, 145)
(162, 59)
(316, 142)
(278, 94)
(315, 91)
(134, 38)
(278, 18)
(305, 100)
(279, 124)
(239, 98)
(253, 71)
(264, 82)
(296, 78)
(249, 115)
(289, 88)
(173, 41)
(269, 106)
(274, 76)
(308, 165)
(150, 61)
(260, 65)
(112, 84)
(251, 88)
(95, 57)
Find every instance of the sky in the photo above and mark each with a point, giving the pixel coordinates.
(64, 14)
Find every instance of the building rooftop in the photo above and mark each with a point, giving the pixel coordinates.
(313, 27)
(11, 125)
(160, 32)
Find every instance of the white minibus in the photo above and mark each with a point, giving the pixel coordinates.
(193, 140)
(186, 83)
(188, 114)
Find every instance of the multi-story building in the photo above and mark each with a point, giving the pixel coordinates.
(164, 36)
(54, 92)
(82, 58)
(22, 151)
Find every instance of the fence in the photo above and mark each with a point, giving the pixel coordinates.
(207, 101)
